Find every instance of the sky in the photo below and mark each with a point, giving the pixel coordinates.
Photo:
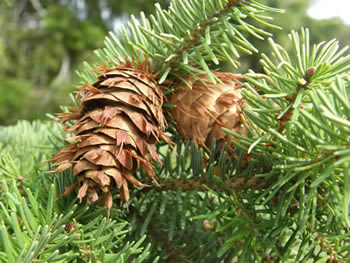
(330, 8)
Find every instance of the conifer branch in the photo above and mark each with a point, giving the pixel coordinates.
(285, 196)
(186, 37)
(302, 84)
(300, 118)
(192, 40)
(232, 185)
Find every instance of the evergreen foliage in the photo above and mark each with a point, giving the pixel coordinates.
(284, 198)
(37, 225)
(188, 36)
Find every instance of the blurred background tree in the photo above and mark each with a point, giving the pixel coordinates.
(43, 42)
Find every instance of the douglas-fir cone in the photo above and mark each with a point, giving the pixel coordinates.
(202, 111)
(120, 118)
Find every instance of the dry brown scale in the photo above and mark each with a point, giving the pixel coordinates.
(120, 118)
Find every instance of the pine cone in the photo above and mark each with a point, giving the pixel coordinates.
(202, 111)
(121, 117)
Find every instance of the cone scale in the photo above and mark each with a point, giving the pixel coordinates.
(120, 119)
